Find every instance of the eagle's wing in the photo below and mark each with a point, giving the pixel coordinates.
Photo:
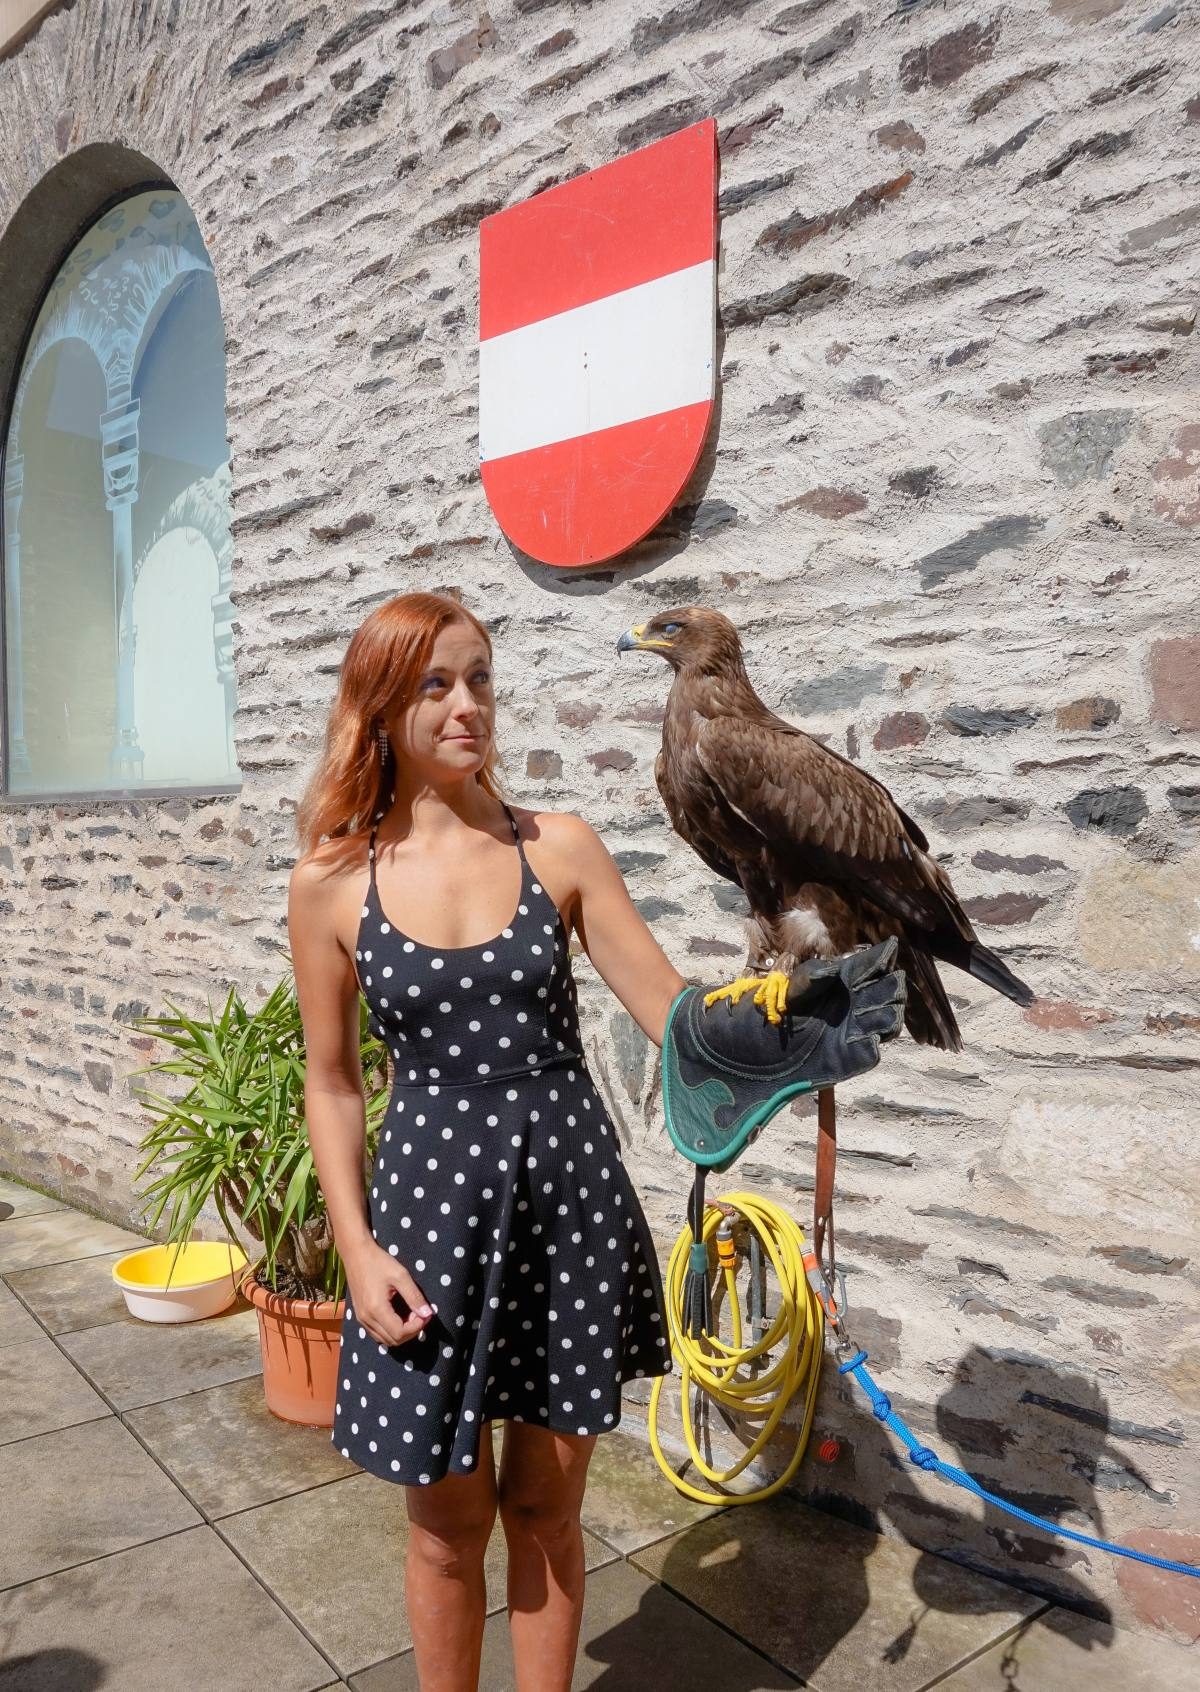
(701, 843)
(821, 818)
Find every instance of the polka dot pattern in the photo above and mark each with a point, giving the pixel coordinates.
(500, 1186)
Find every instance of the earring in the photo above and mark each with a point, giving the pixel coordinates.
(381, 737)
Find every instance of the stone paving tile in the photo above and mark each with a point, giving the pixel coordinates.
(356, 1611)
(1061, 1650)
(229, 1452)
(629, 1502)
(41, 1389)
(59, 1236)
(634, 1634)
(144, 1362)
(830, 1602)
(176, 1615)
(16, 1200)
(77, 1294)
(79, 1493)
(15, 1321)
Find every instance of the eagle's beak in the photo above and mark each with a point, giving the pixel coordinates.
(632, 641)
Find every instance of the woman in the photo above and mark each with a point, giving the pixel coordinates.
(500, 1212)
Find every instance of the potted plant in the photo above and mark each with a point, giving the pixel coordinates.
(238, 1137)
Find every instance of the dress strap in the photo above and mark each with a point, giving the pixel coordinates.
(515, 829)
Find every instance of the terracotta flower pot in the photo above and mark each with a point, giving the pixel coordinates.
(300, 1339)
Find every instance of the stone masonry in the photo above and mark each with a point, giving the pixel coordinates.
(951, 498)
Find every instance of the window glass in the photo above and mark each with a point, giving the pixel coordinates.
(116, 541)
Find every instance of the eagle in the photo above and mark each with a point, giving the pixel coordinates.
(826, 858)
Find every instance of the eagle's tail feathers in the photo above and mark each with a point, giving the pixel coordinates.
(927, 1014)
(985, 966)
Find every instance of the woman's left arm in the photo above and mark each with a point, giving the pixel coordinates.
(613, 932)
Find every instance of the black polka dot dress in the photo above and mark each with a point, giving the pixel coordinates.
(499, 1184)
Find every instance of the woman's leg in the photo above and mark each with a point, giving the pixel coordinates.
(449, 1525)
(542, 1479)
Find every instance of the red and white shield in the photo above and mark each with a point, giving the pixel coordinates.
(597, 345)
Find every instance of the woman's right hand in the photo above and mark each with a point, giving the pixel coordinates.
(372, 1277)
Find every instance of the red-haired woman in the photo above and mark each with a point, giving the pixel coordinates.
(499, 1209)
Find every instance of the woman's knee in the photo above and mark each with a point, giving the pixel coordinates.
(543, 1512)
(547, 1522)
(453, 1545)
(542, 1480)
(451, 1522)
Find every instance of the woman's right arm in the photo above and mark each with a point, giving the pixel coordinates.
(335, 1107)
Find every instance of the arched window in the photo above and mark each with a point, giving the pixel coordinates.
(116, 540)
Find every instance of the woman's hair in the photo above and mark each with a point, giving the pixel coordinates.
(386, 657)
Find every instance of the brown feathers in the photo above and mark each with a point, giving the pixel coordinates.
(826, 858)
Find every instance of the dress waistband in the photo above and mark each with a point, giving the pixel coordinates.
(560, 1060)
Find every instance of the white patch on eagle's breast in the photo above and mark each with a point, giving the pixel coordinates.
(804, 934)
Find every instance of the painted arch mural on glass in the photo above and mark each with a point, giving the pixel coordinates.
(116, 525)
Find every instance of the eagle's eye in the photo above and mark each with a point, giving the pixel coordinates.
(669, 628)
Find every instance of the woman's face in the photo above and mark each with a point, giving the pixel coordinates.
(447, 727)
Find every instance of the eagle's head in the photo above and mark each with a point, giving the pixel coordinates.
(692, 637)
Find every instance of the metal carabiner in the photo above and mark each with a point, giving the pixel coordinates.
(837, 1318)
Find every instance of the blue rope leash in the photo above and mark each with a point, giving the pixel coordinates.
(924, 1458)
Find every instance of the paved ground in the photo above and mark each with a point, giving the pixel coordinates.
(166, 1533)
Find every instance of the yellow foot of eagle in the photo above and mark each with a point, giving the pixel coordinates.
(771, 995)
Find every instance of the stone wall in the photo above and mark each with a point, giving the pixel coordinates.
(951, 500)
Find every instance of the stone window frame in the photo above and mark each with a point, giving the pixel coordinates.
(48, 224)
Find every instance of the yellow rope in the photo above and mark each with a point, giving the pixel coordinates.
(712, 1365)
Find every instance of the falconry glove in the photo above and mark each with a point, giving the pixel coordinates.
(727, 1070)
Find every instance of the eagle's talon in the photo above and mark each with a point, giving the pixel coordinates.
(734, 990)
(771, 992)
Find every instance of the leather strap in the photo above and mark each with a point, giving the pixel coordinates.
(826, 1164)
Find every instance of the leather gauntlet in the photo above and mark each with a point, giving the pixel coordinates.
(727, 1070)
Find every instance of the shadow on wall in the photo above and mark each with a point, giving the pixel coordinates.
(1008, 1413)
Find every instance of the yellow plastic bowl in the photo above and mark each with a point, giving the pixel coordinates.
(180, 1283)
